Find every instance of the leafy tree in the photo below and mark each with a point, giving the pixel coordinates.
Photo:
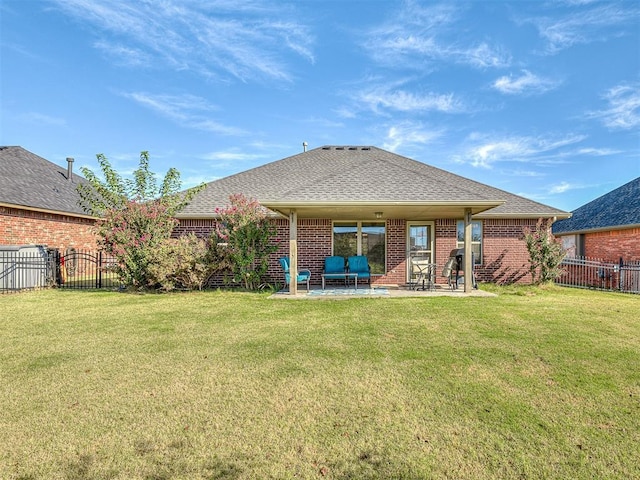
(137, 216)
(246, 230)
(132, 234)
(113, 191)
(545, 252)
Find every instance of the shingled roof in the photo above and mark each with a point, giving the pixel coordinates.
(342, 176)
(618, 208)
(30, 181)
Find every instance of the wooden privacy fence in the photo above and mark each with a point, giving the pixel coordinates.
(584, 272)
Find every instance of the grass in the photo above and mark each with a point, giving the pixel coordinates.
(534, 383)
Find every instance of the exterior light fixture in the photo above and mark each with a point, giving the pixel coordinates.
(378, 215)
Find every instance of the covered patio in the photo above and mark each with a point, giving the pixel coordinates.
(416, 211)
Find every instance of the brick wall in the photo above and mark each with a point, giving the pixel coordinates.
(505, 257)
(314, 244)
(504, 251)
(201, 227)
(396, 254)
(613, 244)
(445, 235)
(24, 227)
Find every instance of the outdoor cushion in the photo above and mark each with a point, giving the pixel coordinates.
(360, 265)
(304, 276)
(334, 267)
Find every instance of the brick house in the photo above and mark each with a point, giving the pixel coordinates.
(607, 228)
(39, 203)
(365, 200)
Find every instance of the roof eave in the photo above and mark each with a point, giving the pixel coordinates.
(599, 229)
(45, 210)
(554, 215)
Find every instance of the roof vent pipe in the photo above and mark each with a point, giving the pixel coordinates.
(304, 146)
(69, 168)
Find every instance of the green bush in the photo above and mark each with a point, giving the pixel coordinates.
(545, 252)
(185, 263)
(245, 229)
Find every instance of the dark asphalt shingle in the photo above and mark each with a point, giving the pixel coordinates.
(348, 174)
(28, 180)
(618, 208)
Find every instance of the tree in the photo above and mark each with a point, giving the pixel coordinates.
(136, 216)
(545, 252)
(246, 230)
(97, 196)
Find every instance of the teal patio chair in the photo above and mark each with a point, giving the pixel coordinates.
(335, 268)
(360, 265)
(304, 276)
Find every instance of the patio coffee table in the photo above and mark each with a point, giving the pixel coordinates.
(336, 276)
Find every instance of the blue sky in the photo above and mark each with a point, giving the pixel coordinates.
(538, 98)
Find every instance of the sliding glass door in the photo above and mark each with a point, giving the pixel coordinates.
(361, 238)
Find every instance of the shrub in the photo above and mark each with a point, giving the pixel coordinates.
(246, 230)
(545, 252)
(185, 263)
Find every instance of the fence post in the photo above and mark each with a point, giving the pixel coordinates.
(99, 273)
(58, 269)
(620, 265)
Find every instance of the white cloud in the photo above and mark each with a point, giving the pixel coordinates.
(186, 110)
(389, 97)
(597, 152)
(560, 188)
(420, 36)
(231, 155)
(585, 26)
(485, 151)
(123, 55)
(407, 133)
(526, 83)
(623, 111)
(245, 39)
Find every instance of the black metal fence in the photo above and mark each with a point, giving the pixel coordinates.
(584, 272)
(32, 267)
(26, 267)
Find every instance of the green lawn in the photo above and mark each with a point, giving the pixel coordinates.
(534, 383)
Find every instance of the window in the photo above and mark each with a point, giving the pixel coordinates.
(362, 238)
(476, 239)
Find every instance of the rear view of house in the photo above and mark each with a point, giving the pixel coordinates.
(362, 200)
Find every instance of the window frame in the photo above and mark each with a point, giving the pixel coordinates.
(358, 225)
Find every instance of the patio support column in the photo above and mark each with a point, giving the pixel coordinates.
(293, 252)
(468, 265)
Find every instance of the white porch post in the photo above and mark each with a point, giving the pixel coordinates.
(468, 265)
(293, 252)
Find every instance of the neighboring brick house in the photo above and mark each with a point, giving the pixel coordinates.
(607, 228)
(39, 203)
(365, 200)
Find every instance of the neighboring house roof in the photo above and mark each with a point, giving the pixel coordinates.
(340, 177)
(31, 182)
(616, 209)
